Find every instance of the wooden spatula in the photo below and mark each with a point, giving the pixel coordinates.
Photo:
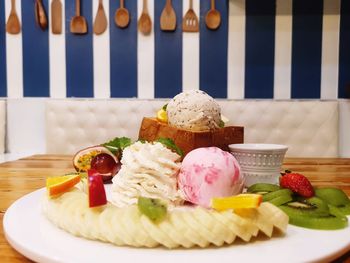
(78, 24)
(100, 24)
(145, 23)
(56, 16)
(168, 17)
(40, 15)
(190, 21)
(13, 26)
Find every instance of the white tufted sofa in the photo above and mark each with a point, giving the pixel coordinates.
(309, 128)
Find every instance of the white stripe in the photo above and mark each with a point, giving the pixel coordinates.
(57, 47)
(101, 55)
(330, 49)
(190, 52)
(236, 50)
(14, 57)
(145, 54)
(283, 49)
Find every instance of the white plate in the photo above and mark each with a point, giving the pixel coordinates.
(31, 234)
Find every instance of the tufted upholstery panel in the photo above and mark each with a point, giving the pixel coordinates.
(309, 128)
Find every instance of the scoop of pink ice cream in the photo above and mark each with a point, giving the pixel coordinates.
(209, 172)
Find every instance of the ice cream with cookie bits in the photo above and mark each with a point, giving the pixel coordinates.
(194, 110)
(209, 172)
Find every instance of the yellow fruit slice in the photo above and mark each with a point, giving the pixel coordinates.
(236, 202)
(60, 184)
(162, 115)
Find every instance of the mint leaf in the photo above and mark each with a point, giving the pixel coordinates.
(165, 107)
(221, 124)
(169, 143)
(117, 145)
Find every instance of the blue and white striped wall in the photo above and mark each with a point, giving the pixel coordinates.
(277, 49)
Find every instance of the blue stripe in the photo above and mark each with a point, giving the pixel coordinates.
(3, 78)
(79, 54)
(307, 48)
(36, 74)
(344, 51)
(260, 48)
(123, 52)
(168, 53)
(213, 51)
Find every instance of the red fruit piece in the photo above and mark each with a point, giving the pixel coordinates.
(97, 193)
(298, 183)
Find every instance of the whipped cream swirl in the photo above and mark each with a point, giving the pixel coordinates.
(148, 170)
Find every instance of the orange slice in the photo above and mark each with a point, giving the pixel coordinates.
(236, 202)
(162, 115)
(60, 184)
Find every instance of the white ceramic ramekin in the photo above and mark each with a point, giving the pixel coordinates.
(260, 162)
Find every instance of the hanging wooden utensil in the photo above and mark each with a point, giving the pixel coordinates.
(56, 17)
(100, 24)
(145, 22)
(40, 15)
(13, 26)
(168, 17)
(213, 17)
(190, 21)
(122, 17)
(78, 24)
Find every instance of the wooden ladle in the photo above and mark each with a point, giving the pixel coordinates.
(213, 17)
(40, 15)
(13, 26)
(122, 17)
(168, 17)
(100, 24)
(78, 24)
(145, 23)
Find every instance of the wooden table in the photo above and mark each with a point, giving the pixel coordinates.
(23, 176)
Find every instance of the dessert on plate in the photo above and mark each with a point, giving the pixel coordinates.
(192, 119)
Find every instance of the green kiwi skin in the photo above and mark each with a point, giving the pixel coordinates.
(154, 209)
(321, 223)
(333, 196)
(280, 200)
(274, 194)
(262, 187)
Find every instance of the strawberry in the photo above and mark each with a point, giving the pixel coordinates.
(298, 183)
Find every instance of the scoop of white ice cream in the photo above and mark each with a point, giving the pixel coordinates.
(148, 170)
(194, 110)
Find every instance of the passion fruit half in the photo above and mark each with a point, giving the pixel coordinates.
(82, 159)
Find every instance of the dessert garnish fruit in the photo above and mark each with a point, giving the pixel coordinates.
(154, 209)
(148, 206)
(306, 206)
(241, 201)
(61, 184)
(96, 189)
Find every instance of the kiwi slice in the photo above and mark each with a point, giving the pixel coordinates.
(278, 193)
(345, 210)
(309, 207)
(323, 223)
(280, 200)
(335, 211)
(154, 209)
(262, 188)
(333, 196)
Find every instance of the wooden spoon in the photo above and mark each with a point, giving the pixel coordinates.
(13, 26)
(213, 17)
(40, 15)
(168, 17)
(56, 17)
(78, 24)
(122, 17)
(100, 24)
(145, 23)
